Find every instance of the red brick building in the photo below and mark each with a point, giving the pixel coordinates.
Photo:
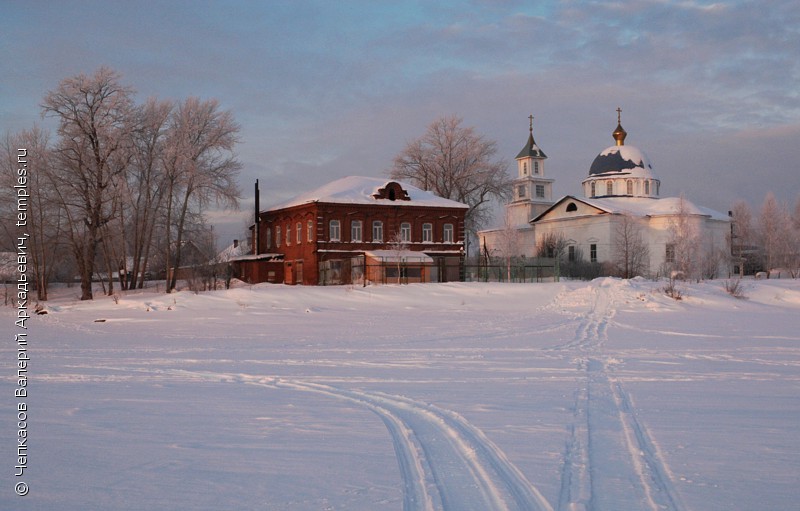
(352, 227)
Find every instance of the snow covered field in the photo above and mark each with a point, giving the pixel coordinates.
(603, 395)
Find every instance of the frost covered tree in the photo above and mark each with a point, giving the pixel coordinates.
(93, 114)
(457, 163)
(684, 241)
(201, 168)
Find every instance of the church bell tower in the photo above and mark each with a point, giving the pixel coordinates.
(532, 191)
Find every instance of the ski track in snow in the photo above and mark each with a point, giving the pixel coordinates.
(597, 475)
(446, 463)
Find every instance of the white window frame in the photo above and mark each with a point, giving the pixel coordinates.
(356, 231)
(405, 232)
(335, 230)
(377, 231)
(310, 231)
(427, 233)
(540, 191)
(447, 233)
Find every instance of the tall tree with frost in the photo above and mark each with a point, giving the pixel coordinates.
(457, 163)
(201, 167)
(93, 114)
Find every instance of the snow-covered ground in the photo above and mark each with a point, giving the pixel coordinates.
(603, 395)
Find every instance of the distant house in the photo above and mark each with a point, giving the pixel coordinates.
(356, 228)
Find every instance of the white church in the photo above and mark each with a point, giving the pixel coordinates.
(621, 192)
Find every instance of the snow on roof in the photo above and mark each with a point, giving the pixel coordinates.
(641, 206)
(644, 206)
(361, 190)
(625, 159)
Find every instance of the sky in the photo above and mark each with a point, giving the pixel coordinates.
(322, 90)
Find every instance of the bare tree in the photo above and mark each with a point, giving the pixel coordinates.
(398, 246)
(508, 244)
(631, 252)
(200, 165)
(684, 240)
(43, 220)
(93, 113)
(456, 163)
(774, 228)
(146, 184)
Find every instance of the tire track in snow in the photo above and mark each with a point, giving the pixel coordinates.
(446, 463)
(610, 461)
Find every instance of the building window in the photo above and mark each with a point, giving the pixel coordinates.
(525, 168)
(310, 231)
(594, 188)
(571, 207)
(278, 235)
(630, 187)
(377, 231)
(405, 232)
(571, 253)
(647, 187)
(593, 252)
(269, 238)
(299, 232)
(335, 231)
(669, 256)
(609, 188)
(521, 191)
(355, 231)
(536, 167)
(540, 191)
(448, 233)
(427, 233)
(658, 186)
(288, 235)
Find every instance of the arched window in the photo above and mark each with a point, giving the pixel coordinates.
(299, 232)
(647, 187)
(609, 188)
(594, 188)
(310, 229)
(630, 187)
(572, 207)
(269, 238)
(278, 236)
(524, 168)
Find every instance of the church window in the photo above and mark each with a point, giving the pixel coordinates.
(630, 187)
(355, 231)
(377, 231)
(310, 231)
(335, 231)
(448, 233)
(525, 168)
(593, 252)
(540, 191)
(571, 207)
(536, 167)
(521, 191)
(647, 187)
(405, 232)
(609, 188)
(427, 233)
(571, 253)
(658, 186)
(669, 256)
(594, 188)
